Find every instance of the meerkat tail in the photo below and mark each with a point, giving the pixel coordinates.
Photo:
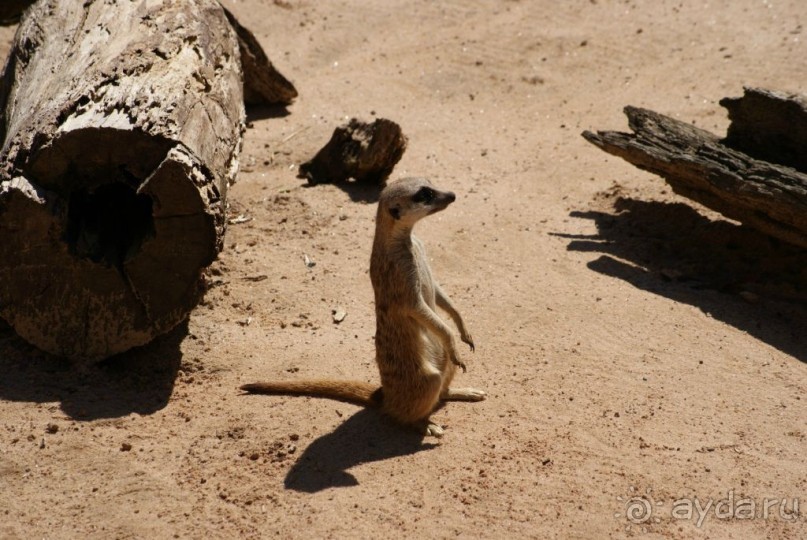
(357, 393)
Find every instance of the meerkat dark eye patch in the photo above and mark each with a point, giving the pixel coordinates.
(424, 195)
(395, 213)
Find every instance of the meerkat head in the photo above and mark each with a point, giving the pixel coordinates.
(409, 200)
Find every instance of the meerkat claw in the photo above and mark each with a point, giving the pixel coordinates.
(467, 339)
(459, 363)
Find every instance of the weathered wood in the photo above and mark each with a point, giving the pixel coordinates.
(698, 165)
(122, 125)
(366, 152)
(263, 83)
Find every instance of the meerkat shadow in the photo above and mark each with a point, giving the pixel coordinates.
(365, 437)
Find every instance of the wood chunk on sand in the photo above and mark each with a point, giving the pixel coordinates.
(366, 152)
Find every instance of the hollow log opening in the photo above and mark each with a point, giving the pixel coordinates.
(109, 224)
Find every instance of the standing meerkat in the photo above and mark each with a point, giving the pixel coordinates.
(415, 349)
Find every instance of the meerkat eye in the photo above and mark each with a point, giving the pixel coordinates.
(424, 195)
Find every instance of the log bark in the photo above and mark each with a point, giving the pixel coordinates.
(122, 125)
(770, 197)
(263, 84)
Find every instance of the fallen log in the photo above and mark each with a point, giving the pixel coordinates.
(733, 175)
(122, 124)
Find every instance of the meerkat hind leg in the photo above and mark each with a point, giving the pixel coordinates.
(463, 394)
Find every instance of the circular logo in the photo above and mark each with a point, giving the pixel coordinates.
(638, 510)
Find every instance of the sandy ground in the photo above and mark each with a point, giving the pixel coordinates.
(624, 362)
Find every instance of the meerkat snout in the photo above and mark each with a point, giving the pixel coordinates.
(411, 199)
(442, 200)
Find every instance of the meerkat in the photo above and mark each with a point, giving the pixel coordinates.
(416, 351)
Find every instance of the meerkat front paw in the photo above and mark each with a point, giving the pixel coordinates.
(466, 338)
(457, 362)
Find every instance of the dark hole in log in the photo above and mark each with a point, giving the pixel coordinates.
(769, 126)
(109, 224)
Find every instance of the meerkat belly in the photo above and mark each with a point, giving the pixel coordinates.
(408, 359)
(405, 349)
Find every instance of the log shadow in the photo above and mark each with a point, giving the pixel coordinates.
(140, 380)
(365, 437)
(730, 272)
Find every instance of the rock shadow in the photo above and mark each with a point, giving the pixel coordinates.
(360, 192)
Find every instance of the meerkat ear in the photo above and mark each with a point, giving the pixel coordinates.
(395, 213)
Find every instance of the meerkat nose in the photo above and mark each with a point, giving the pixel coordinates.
(450, 196)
